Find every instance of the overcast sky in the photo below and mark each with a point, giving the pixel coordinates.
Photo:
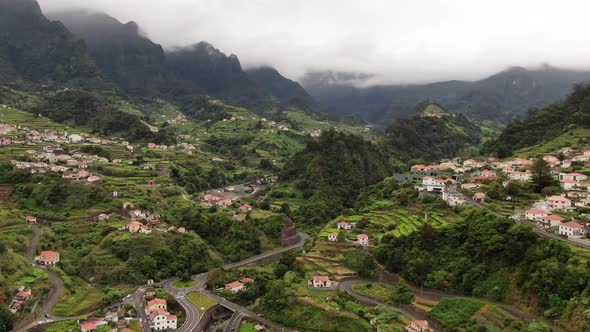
(402, 41)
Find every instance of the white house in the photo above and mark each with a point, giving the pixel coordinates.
(75, 138)
(321, 282)
(363, 239)
(344, 225)
(558, 203)
(162, 320)
(235, 287)
(568, 184)
(535, 214)
(573, 176)
(572, 229)
(551, 220)
(134, 226)
(333, 237)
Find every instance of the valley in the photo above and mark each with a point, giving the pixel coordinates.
(148, 186)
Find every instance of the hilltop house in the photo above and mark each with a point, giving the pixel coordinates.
(48, 257)
(31, 219)
(572, 229)
(320, 282)
(332, 237)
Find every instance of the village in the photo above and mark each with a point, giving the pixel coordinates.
(563, 213)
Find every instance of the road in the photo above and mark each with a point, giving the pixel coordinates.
(137, 300)
(57, 286)
(193, 316)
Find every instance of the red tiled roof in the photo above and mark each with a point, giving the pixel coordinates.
(362, 236)
(321, 278)
(88, 326)
(247, 280)
(536, 211)
(155, 301)
(572, 224)
(234, 284)
(554, 217)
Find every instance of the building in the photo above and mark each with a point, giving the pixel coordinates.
(572, 229)
(418, 326)
(567, 184)
(558, 203)
(535, 214)
(88, 327)
(479, 197)
(363, 239)
(48, 258)
(134, 226)
(453, 198)
(333, 237)
(573, 176)
(344, 225)
(321, 282)
(551, 220)
(157, 304)
(31, 219)
(245, 208)
(235, 287)
(162, 320)
(247, 281)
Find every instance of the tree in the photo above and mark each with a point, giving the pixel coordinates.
(277, 296)
(6, 318)
(541, 174)
(341, 236)
(402, 293)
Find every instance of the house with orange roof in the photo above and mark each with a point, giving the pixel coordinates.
(558, 203)
(88, 327)
(31, 219)
(332, 237)
(551, 220)
(344, 225)
(320, 282)
(246, 280)
(235, 287)
(157, 304)
(162, 320)
(535, 214)
(245, 208)
(572, 229)
(362, 239)
(134, 226)
(479, 197)
(48, 257)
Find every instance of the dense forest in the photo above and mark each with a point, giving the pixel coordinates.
(495, 258)
(86, 109)
(331, 172)
(429, 138)
(544, 124)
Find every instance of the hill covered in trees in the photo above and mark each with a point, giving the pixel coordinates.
(544, 124)
(85, 109)
(494, 258)
(430, 135)
(331, 172)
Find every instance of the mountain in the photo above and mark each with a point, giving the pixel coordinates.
(36, 49)
(142, 67)
(431, 134)
(499, 97)
(280, 88)
(121, 52)
(546, 124)
(216, 74)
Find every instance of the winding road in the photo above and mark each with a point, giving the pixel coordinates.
(57, 286)
(193, 315)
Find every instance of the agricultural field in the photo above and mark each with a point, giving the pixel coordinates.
(455, 312)
(576, 138)
(78, 299)
(396, 221)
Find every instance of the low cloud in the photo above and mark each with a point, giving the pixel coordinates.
(397, 41)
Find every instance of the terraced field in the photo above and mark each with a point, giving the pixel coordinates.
(398, 222)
